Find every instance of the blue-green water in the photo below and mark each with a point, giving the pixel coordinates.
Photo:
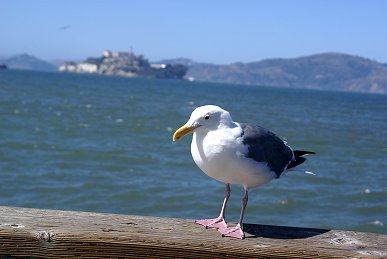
(104, 144)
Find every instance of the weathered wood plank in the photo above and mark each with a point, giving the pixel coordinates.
(52, 234)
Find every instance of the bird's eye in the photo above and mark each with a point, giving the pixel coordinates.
(207, 116)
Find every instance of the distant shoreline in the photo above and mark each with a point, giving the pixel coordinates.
(327, 71)
(215, 84)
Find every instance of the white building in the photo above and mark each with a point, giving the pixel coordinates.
(107, 53)
(68, 67)
(159, 66)
(87, 68)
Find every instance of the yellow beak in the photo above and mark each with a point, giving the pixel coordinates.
(182, 131)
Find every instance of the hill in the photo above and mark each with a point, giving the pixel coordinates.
(27, 62)
(328, 71)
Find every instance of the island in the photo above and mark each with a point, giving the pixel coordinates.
(125, 64)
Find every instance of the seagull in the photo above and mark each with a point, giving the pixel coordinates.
(236, 153)
(66, 27)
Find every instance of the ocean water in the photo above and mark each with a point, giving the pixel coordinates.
(104, 144)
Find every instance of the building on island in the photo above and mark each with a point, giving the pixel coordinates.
(124, 64)
(68, 66)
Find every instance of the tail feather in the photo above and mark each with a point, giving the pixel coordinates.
(298, 158)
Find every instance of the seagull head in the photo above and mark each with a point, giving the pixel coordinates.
(204, 119)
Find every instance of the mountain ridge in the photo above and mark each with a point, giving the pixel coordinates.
(27, 62)
(324, 71)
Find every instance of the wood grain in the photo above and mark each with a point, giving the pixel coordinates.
(51, 234)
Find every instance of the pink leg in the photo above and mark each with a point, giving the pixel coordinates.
(237, 231)
(218, 222)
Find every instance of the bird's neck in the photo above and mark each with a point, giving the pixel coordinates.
(227, 125)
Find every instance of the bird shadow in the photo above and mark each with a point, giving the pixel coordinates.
(280, 232)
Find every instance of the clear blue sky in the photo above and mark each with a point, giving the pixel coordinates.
(204, 30)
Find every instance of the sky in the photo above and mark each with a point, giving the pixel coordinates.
(215, 31)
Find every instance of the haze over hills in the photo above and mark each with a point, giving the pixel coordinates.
(27, 62)
(327, 71)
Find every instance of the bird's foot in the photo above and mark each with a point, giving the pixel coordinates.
(218, 223)
(235, 232)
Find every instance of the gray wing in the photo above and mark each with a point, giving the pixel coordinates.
(265, 146)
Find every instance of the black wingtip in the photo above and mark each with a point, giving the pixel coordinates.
(298, 153)
(298, 157)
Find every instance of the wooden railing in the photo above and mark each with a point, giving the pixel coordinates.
(54, 234)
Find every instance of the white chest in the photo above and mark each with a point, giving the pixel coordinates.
(221, 155)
